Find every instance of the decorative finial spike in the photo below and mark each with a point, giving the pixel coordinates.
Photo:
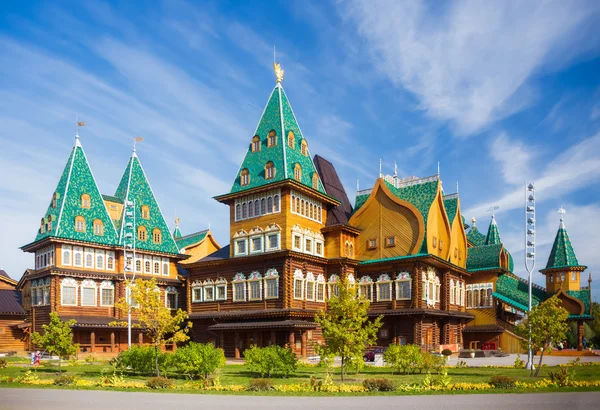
(438, 169)
(278, 72)
(380, 174)
(473, 221)
(357, 185)
(177, 222)
(77, 125)
(562, 211)
(493, 210)
(456, 187)
(395, 169)
(135, 141)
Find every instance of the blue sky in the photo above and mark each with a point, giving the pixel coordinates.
(496, 91)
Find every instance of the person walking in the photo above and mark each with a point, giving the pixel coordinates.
(584, 343)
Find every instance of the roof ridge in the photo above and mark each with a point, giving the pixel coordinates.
(192, 234)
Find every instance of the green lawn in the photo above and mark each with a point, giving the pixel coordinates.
(239, 375)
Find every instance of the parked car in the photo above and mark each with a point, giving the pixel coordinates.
(369, 355)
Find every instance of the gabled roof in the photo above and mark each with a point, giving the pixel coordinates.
(77, 179)
(278, 116)
(515, 292)
(474, 236)
(5, 277)
(420, 192)
(493, 235)
(484, 257)
(10, 302)
(134, 186)
(562, 254)
(220, 254)
(337, 215)
(191, 239)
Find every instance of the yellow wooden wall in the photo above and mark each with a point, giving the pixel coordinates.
(438, 227)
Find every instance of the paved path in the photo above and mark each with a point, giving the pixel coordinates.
(43, 399)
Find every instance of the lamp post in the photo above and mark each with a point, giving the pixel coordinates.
(129, 253)
(529, 255)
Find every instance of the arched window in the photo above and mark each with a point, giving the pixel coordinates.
(250, 210)
(147, 266)
(42, 225)
(85, 201)
(298, 285)
(403, 286)
(138, 265)
(256, 143)
(269, 205)
(452, 292)
(99, 260)
(54, 200)
(384, 287)
(263, 206)
(156, 268)
(110, 260)
(256, 208)
(142, 233)
(145, 212)
(80, 224)
(291, 139)
(238, 212)
(244, 177)
(157, 236)
(272, 138)
(315, 181)
(98, 227)
(269, 170)
(298, 172)
(304, 148)
(238, 286)
(49, 225)
(66, 255)
(78, 259)
(276, 203)
(244, 210)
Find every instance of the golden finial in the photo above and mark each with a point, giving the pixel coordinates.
(278, 72)
(177, 222)
(473, 220)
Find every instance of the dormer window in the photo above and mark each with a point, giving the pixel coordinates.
(256, 143)
(244, 177)
(304, 148)
(80, 224)
(157, 236)
(269, 170)
(85, 201)
(142, 233)
(145, 212)
(291, 139)
(54, 200)
(272, 139)
(298, 172)
(98, 227)
(315, 181)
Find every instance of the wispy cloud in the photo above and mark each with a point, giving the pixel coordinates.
(514, 158)
(468, 62)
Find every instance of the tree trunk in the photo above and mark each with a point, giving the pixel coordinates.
(537, 371)
(156, 360)
(343, 367)
(59, 361)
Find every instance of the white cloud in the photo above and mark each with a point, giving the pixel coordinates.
(469, 62)
(514, 157)
(575, 168)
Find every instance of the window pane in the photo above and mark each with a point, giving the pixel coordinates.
(88, 296)
(108, 297)
(239, 291)
(221, 292)
(197, 294)
(310, 290)
(298, 288)
(68, 297)
(272, 288)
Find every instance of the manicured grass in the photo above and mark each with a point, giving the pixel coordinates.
(240, 375)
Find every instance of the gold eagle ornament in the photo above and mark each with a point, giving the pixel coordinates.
(278, 72)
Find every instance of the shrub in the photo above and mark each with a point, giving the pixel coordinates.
(447, 352)
(378, 385)
(72, 361)
(140, 359)
(3, 363)
(64, 380)
(405, 359)
(159, 383)
(461, 364)
(270, 361)
(260, 385)
(198, 360)
(563, 377)
(90, 359)
(519, 364)
(432, 362)
(503, 382)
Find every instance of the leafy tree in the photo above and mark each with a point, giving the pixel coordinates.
(405, 359)
(548, 326)
(346, 327)
(161, 324)
(271, 360)
(57, 338)
(198, 360)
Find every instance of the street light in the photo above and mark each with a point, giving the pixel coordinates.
(529, 255)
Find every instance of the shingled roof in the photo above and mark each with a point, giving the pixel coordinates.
(277, 116)
(337, 215)
(493, 235)
(10, 303)
(562, 254)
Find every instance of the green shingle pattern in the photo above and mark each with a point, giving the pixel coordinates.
(395, 258)
(192, 239)
(277, 116)
(111, 198)
(562, 253)
(484, 257)
(77, 179)
(584, 296)
(515, 292)
(134, 186)
(451, 206)
(493, 236)
(476, 237)
(177, 233)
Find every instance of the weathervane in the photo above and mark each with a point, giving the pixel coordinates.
(78, 124)
(493, 210)
(277, 68)
(136, 140)
(562, 211)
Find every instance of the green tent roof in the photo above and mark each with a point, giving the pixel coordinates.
(279, 117)
(493, 235)
(77, 179)
(476, 237)
(562, 254)
(177, 233)
(134, 186)
(185, 241)
(484, 257)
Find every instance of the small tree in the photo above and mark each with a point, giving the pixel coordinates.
(548, 325)
(346, 327)
(198, 360)
(57, 338)
(161, 324)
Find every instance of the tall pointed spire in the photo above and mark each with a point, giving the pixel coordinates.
(493, 235)
(177, 233)
(562, 253)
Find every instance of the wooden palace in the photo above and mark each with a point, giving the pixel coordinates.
(294, 236)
